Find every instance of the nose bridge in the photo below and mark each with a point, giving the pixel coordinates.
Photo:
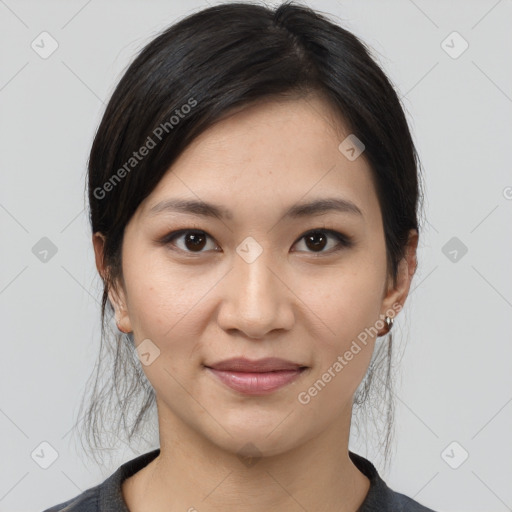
(254, 280)
(256, 295)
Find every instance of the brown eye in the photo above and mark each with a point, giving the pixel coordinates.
(195, 241)
(191, 240)
(318, 239)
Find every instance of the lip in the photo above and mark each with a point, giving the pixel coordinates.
(267, 364)
(256, 383)
(260, 377)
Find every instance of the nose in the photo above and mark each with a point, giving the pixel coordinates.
(255, 301)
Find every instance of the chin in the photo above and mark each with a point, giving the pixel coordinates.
(266, 441)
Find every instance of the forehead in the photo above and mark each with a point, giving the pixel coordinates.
(276, 152)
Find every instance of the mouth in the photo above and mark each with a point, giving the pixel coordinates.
(260, 377)
(268, 364)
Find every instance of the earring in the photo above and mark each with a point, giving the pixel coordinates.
(389, 324)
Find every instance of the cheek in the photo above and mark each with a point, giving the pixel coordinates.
(348, 305)
(345, 304)
(162, 297)
(344, 342)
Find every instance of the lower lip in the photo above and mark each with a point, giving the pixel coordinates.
(256, 383)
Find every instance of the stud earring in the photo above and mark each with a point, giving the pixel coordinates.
(389, 324)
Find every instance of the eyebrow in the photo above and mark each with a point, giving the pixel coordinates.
(315, 207)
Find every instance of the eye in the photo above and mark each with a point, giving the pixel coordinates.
(317, 240)
(193, 240)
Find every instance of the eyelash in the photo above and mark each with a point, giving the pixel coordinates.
(344, 241)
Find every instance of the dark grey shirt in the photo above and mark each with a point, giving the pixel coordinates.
(107, 496)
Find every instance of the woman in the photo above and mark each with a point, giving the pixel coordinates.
(253, 190)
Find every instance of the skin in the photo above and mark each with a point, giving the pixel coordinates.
(303, 304)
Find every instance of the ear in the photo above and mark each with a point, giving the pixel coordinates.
(396, 295)
(116, 296)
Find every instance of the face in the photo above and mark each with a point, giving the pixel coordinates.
(262, 278)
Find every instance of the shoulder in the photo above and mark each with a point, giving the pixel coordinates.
(88, 501)
(380, 497)
(402, 503)
(107, 496)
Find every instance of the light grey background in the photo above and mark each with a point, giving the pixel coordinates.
(455, 379)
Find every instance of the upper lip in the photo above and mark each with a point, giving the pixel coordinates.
(268, 364)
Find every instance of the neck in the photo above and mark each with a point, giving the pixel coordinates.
(191, 473)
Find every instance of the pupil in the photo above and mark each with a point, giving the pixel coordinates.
(314, 241)
(195, 240)
(316, 236)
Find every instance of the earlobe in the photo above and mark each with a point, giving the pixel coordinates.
(121, 313)
(123, 322)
